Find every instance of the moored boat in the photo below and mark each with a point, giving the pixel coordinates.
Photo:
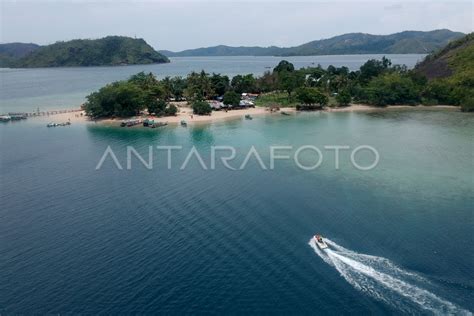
(148, 122)
(5, 118)
(184, 123)
(17, 116)
(248, 117)
(52, 124)
(131, 123)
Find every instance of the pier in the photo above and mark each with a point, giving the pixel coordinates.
(13, 116)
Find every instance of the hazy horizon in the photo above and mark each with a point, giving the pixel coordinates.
(181, 25)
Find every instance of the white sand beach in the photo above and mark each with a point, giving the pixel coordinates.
(185, 113)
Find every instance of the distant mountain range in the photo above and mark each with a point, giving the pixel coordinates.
(120, 50)
(107, 51)
(408, 42)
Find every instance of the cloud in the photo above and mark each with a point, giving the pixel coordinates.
(394, 7)
(178, 25)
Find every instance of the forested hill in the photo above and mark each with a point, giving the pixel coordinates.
(12, 51)
(408, 42)
(456, 59)
(108, 51)
(450, 72)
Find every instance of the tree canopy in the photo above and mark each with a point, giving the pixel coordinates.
(128, 98)
(116, 99)
(284, 65)
(198, 86)
(107, 51)
(245, 83)
(310, 98)
(201, 108)
(377, 82)
(290, 80)
(231, 98)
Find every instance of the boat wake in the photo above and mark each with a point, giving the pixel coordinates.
(383, 280)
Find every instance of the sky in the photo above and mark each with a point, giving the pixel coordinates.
(177, 25)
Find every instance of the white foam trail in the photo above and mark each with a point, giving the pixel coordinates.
(383, 280)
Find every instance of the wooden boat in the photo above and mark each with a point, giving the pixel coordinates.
(17, 116)
(131, 123)
(248, 117)
(148, 122)
(183, 123)
(285, 113)
(52, 124)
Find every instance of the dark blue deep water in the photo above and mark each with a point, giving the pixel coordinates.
(74, 239)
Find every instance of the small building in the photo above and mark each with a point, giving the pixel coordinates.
(246, 104)
(217, 105)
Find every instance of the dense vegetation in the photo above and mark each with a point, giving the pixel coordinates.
(310, 98)
(201, 108)
(231, 98)
(353, 43)
(451, 74)
(377, 82)
(13, 51)
(128, 98)
(108, 51)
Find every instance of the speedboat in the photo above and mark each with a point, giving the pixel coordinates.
(320, 242)
(5, 118)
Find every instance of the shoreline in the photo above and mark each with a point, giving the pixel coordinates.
(185, 113)
(364, 107)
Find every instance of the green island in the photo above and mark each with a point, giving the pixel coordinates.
(376, 83)
(407, 42)
(107, 51)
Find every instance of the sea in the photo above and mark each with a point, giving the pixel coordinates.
(98, 219)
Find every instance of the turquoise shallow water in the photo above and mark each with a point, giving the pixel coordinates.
(79, 240)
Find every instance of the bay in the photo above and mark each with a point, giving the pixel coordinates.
(84, 241)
